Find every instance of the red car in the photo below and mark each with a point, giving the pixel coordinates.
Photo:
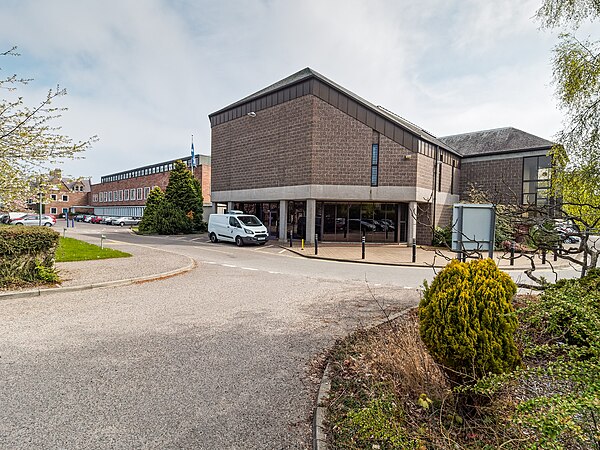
(96, 219)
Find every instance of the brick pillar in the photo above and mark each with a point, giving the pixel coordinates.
(283, 219)
(229, 206)
(311, 214)
(412, 222)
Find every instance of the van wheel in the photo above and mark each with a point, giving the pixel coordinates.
(213, 238)
(238, 241)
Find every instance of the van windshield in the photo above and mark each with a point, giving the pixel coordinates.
(250, 221)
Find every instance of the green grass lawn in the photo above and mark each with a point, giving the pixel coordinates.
(70, 249)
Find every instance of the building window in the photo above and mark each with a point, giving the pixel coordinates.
(374, 164)
(536, 180)
(121, 195)
(65, 198)
(126, 194)
(65, 211)
(53, 197)
(95, 197)
(139, 193)
(146, 192)
(440, 164)
(53, 210)
(132, 194)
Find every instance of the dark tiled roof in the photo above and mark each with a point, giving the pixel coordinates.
(499, 140)
(308, 73)
(70, 184)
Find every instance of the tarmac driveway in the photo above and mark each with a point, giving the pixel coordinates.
(219, 357)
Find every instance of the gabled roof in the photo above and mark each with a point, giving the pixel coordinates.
(309, 73)
(70, 184)
(496, 141)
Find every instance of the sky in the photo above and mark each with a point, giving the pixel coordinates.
(143, 75)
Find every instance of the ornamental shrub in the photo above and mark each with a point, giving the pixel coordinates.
(27, 254)
(148, 223)
(467, 320)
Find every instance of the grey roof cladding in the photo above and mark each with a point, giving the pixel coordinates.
(309, 73)
(496, 141)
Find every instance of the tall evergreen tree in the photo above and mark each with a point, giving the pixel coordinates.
(155, 199)
(185, 193)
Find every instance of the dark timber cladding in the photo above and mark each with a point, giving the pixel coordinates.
(308, 82)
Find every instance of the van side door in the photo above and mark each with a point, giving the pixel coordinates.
(234, 224)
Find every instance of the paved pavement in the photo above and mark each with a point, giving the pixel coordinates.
(400, 254)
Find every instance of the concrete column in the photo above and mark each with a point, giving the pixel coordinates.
(311, 214)
(229, 206)
(412, 222)
(283, 219)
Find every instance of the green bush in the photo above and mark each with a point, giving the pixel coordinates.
(27, 255)
(467, 320)
(148, 222)
(169, 219)
(442, 237)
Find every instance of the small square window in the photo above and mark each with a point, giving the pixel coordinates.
(65, 198)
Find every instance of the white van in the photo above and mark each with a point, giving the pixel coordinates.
(237, 227)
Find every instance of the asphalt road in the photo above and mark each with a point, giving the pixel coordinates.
(224, 356)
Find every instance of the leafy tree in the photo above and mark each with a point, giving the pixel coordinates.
(155, 198)
(29, 140)
(185, 193)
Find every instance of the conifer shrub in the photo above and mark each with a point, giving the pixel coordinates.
(148, 222)
(467, 320)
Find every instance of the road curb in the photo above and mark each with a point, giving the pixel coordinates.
(324, 258)
(84, 287)
(318, 426)
(417, 265)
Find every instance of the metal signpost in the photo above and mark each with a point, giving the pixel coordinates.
(473, 228)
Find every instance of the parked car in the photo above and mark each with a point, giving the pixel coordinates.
(33, 220)
(79, 218)
(88, 219)
(109, 220)
(122, 221)
(96, 219)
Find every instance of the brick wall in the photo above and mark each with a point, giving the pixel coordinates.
(74, 199)
(269, 150)
(202, 173)
(500, 179)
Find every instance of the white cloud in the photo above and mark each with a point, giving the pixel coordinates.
(145, 75)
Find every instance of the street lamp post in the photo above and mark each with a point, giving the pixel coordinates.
(40, 194)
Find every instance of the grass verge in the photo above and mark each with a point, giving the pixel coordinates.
(70, 249)
(388, 393)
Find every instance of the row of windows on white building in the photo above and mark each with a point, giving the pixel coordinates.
(122, 195)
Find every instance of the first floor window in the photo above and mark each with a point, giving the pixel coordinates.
(132, 194)
(110, 196)
(53, 210)
(139, 194)
(121, 195)
(53, 197)
(65, 198)
(65, 211)
(126, 194)
(536, 180)
(374, 164)
(146, 192)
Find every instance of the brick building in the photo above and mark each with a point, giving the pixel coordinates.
(309, 157)
(125, 193)
(65, 195)
(510, 165)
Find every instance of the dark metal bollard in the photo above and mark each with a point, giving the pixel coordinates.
(363, 247)
(316, 244)
(72, 223)
(556, 254)
(291, 234)
(512, 254)
(414, 250)
(543, 256)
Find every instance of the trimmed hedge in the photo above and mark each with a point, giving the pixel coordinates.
(27, 254)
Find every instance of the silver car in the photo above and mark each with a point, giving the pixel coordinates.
(33, 219)
(122, 221)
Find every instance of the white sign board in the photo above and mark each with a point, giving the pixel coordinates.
(473, 227)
